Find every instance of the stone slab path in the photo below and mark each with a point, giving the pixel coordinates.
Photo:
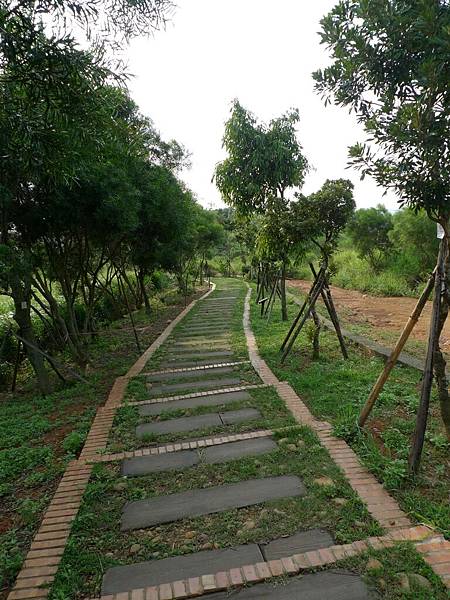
(211, 400)
(184, 424)
(267, 569)
(143, 465)
(156, 572)
(194, 503)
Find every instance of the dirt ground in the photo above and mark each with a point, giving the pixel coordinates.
(388, 313)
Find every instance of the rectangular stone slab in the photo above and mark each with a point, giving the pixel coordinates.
(194, 503)
(179, 425)
(184, 364)
(237, 416)
(173, 461)
(189, 374)
(212, 400)
(197, 422)
(173, 388)
(331, 585)
(166, 570)
(300, 542)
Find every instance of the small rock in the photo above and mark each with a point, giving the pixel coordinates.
(283, 441)
(120, 486)
(189, 535)
(109, 554)
(277, 511)
(291, 447)
(374, 565)
(249, 525)
(135, 548)
(207, 546)
(156, 554)
(419, 580)
(325, 481)
(202, 538)
(340, 501)
(382, 584)
(169, 321)
(404, 581)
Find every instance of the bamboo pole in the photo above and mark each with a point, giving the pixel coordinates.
(390, 363)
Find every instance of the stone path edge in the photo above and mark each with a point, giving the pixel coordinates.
(381, 505)
(47, 548)
(285, 567)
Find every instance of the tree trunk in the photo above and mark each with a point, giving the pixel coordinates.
(433, 339)
(316, 335)
(439, 360)
(21, 293)
(284, 314)
(141, 279)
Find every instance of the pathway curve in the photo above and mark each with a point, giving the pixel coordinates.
(208, 404)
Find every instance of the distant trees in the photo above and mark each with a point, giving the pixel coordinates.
(390, 64)
(369, 231)
(263, 163)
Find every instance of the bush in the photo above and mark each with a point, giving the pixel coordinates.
(73, 442)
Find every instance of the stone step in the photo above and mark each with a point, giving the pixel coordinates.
(195, 503)
(184, 364)
(166, 570)
(333, 585)
(212, 400)
(184, 424)
(172, 388)
(189, 374)
(188, 353)
(144, 465)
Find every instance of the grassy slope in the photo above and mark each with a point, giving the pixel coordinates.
(38, 436)
(334, 389)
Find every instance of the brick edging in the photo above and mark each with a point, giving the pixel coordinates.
(161, 399)
(41, 562)
(196, 368)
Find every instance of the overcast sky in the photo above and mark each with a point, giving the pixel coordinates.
(261, 52)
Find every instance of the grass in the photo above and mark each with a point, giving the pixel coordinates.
(96, 542)
(334, 389)
(38, 436)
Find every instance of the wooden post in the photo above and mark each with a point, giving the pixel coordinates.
(427, 381)
(312, 302)
(297, 318)
(390, 363)
(328, 301)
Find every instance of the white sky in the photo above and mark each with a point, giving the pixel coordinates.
(261, 52)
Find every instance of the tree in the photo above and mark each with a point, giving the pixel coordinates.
(369, 231)
(263, 162)
(390, 64)
(414, 241)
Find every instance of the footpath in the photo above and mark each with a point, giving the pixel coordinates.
(214, 476)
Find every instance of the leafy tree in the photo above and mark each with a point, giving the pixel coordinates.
(413, 237)
(369, 231)
(390, 64)
(263, 162)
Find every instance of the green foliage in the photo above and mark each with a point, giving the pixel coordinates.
(73, 442)
(390, 65)
(369, 231)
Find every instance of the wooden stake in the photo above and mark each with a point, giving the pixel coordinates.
(328, 301)
(312, 302)
(427, 381)
(392, 360)
(297, 318)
